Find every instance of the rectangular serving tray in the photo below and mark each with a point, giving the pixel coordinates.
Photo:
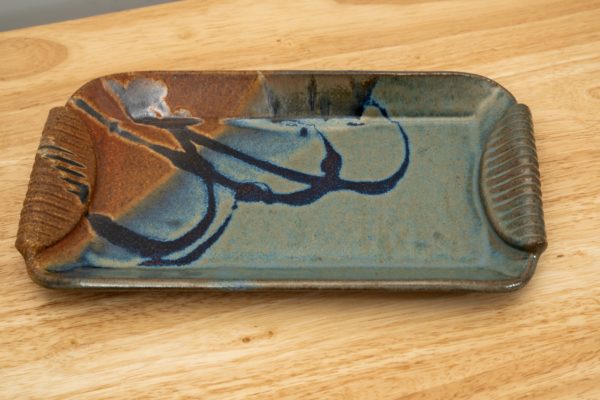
(285, 180)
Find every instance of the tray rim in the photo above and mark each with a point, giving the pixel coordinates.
(302, 72)
(56, 281)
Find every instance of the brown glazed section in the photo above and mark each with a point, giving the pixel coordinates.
(61, 183)
(510, 181)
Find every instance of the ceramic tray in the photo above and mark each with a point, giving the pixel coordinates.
(285, 180)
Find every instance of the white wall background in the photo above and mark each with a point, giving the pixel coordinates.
(21, 13)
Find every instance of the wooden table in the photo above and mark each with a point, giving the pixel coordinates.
(540, 342)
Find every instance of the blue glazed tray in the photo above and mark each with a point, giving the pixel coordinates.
(285, 180)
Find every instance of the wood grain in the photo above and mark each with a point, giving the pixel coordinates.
(540, 342)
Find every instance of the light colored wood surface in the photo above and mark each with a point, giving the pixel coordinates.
(541, 342)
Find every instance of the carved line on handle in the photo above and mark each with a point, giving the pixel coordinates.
(61, 183)
(510, 181)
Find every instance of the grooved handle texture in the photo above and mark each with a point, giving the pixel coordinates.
(61, 183)
(510, 181)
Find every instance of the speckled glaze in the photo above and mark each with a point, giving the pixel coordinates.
(281, 179)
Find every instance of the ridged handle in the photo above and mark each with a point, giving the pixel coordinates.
(61, 183)
(510, 181)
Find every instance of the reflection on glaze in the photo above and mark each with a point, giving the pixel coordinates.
(241, 156)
